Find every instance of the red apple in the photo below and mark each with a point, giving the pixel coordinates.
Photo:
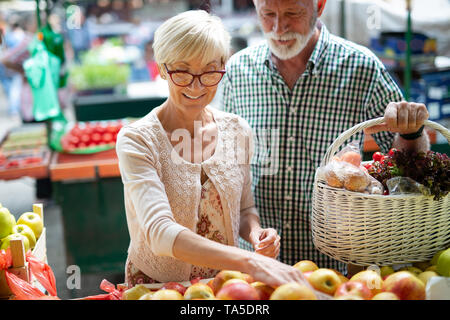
(264, 290)
(175, 286)
(225, 275)
(356, 288)
(405, 285)
(237, 291)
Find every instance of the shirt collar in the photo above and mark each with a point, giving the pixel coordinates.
(317, 56)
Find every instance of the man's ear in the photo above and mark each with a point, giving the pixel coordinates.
(320, 7)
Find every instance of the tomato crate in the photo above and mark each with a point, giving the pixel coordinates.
(20, 266)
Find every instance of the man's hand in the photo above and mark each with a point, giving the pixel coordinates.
(402, 117)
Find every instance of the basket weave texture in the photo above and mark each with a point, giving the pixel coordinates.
(365, 229)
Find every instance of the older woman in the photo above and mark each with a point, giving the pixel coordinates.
(186, 173)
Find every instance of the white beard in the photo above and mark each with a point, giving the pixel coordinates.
(288, 52)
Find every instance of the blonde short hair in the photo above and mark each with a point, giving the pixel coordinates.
(189, 35)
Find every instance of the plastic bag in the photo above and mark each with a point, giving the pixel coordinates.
(346, 171)
(21, 289)
(5, 259)
(43, 273)
(406, 185)
(113, 293)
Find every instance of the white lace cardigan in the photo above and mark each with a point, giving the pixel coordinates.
(162, 190)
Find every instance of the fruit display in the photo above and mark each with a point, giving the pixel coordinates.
(23, 147)
(386, 283)
(86, 137)
(28, 227)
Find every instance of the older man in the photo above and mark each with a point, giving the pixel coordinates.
(299, 90)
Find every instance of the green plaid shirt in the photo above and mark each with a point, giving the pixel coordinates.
(344, 84)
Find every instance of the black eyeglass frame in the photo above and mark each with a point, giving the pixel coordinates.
(194, 76)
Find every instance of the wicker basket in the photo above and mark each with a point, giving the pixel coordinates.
(365, 229)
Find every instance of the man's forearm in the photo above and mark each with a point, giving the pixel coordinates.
(420, 144)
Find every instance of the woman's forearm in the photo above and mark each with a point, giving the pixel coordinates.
(195, 249)
(249, 221)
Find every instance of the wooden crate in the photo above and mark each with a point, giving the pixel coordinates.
(20, 266)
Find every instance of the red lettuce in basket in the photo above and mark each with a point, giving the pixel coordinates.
(431, 169)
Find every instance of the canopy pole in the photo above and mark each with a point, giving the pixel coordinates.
(408, 69)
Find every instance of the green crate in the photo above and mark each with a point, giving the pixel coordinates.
(95, 226)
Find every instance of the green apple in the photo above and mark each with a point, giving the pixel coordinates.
(135, 293)
(7, 222)
(386, 270)
(435, 258)
(26, 231)
(34, 221)
(443, 263)
(427, 275)
(6, 241)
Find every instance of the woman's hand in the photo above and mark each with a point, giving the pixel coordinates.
(271, 271)
(265, 241)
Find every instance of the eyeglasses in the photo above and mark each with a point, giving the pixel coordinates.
(184, 78)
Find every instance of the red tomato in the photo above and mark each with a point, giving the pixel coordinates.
(85, 138)
(392, 151)
(100, 129)
(76, 131)
(107, 137)
(96, 137)
(82, 145)
(377, 156)
(74, 139)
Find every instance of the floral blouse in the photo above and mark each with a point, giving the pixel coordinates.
(210, 225)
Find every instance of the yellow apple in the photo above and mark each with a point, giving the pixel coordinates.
(385, 296)
(147, 296)
(26, 231)
(348, 297)
(325, 280)
(34, 221)
(7, 222)
(6, 242)
(199, 290)
(426, 275)
(432, 268)
(225, 275)
(166, 294)
(371, 278)
(135, 292)
(414, 270)
(293, 291)
(306, 265)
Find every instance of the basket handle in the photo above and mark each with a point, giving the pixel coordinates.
(331, 151)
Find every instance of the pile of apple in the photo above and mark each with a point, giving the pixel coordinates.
(91, 134)
(28, 227)
(407, 283)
